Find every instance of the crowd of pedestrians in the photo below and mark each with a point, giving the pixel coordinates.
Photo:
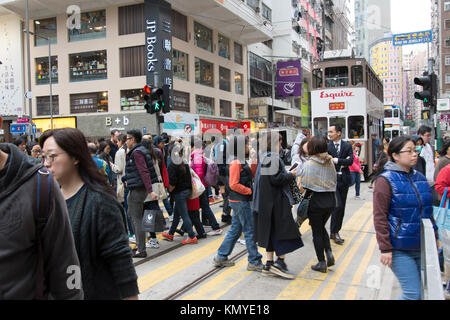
(91, 198)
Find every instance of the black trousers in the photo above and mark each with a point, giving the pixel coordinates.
(194, 215)
(317, 220)
(337, 216)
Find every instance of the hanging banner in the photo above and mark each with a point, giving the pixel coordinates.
(289, 77)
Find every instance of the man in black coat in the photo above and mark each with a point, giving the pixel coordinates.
(342, 154)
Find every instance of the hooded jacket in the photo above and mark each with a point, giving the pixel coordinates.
(18, 252)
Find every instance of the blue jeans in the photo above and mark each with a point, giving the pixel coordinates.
(356, 180)
(406, 267)
(168, 207)
(242, 222)
(207, 212)
(180, 210)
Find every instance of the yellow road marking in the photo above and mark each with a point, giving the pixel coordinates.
(351, 293)
(303, 288)
(334, 279)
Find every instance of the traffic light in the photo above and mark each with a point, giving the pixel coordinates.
(147, 92)
(156, 99)
(166, 98)
(429, 87)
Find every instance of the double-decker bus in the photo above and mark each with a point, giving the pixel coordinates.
(393, 123)
(346, 91)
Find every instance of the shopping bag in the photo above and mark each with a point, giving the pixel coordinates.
(153, 221)
(197, 186)
(442, 214)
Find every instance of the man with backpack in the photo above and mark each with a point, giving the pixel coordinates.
(38, 259)
(221, 155)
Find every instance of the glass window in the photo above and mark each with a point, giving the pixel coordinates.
(239, 83)
(205, 105)
(447, 78)
(132, 61)
(180, 64)
(45, 28)
(93, 26)
(253, 3)
(317, 78)
(388, 113)
(42, 75)
(224, 46)
(131, 19)
(238, 53)
(266, 12)
(447, 6)
(43, 105)
(357, 76)
(321, 127)
(260, 68)
(181, 101)
(203, 37)
(340, 121)
(395, 113)
(447, 42)
(88, 66)
(336, 77)
(204, 72)
(225, 108)
(179, 25)
(89, 102)
(356, 127)
(239, 111)
(224, 79)
(447, 24)
(131, 100)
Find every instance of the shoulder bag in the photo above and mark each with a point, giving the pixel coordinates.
(158, 187)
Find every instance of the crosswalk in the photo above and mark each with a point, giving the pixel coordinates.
(348, 279)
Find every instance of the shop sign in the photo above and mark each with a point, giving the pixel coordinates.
(222, 126)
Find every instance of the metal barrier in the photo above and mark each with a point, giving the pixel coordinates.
(431, 273)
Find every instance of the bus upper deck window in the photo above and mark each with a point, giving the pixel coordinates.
(357, 76)
(321, 127)
(356, 127)
(336, 77)
(317, 78)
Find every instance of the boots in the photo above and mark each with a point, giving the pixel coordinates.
(330, 258)
(321, 266)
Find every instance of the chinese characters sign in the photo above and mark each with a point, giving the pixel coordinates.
(412, 38)
(337, 106)
(289, 77)
(158, 42)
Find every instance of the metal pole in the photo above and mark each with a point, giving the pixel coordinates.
(50, 82)
(27, 22)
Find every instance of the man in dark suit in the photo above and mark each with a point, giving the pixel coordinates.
(342, 154)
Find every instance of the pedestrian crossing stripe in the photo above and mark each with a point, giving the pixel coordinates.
(303, 288)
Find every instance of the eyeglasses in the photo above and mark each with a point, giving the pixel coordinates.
(128, 138)
(50, 158)
(36, 151)
(410, 151)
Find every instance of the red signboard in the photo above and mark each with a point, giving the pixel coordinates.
(245, 126)
(337, 106)
(23, 120)
(288, 72)
(222, 126)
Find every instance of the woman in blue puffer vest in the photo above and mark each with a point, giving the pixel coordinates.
(402, 197)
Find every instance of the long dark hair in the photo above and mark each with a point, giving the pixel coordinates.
(74, 143)
(444, 148)
(149, 146)
(301, 153)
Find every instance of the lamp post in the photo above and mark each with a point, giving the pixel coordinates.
(27, 23)
(49, 73)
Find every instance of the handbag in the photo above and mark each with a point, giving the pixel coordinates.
(302, 210)
(197, 186)
(295, 191)
(158, 187)
(153, 221)
(441, 214)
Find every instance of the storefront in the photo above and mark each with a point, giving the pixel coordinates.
(44, 124)
(88, 66)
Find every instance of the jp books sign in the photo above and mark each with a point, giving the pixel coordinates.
(289, 77)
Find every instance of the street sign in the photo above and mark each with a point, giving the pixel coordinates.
(443, 104)
(144, 130)
(403, 39)
(33, 128)
(18, 128)
(28, 95)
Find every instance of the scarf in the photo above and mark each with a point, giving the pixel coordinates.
(319, 174)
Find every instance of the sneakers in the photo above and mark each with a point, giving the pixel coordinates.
(257, 268)
(211, 200)
(267, 268)
(190, 241)
(142, 254)
(167, 236)
(152, 243)
(171, 218)
(223, 263)
(280, 268)
(132, 239)
(217, 232)
(357, 198)
(242, 241)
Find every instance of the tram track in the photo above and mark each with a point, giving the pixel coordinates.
(203, 277)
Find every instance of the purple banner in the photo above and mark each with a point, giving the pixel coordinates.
(289, 78)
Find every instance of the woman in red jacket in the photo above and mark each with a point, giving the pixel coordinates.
(355, 170)
(443, 180)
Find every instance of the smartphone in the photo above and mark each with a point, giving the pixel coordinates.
(294, 166)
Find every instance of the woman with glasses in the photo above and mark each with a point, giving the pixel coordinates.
(97, 218)
(402, 197)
